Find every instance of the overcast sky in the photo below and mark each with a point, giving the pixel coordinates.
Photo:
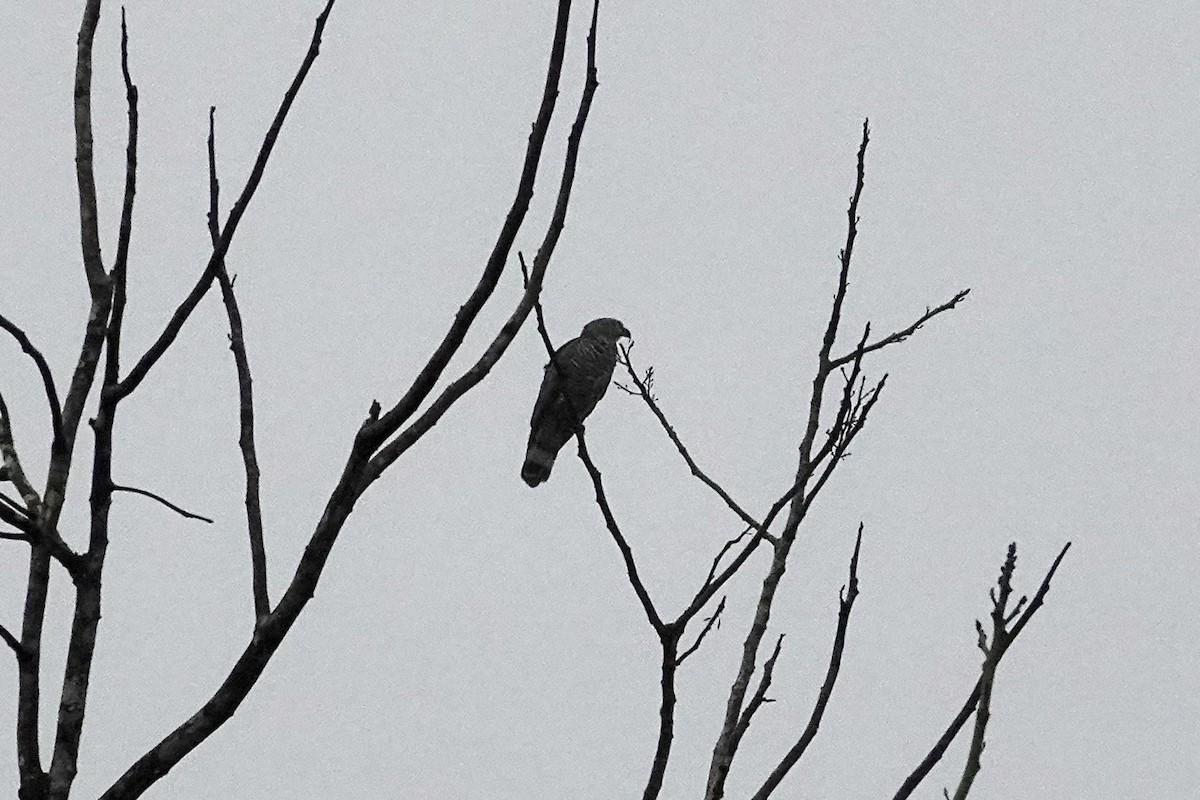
(473, 638)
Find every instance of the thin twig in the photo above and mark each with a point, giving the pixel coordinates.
(237, 344)
(714, 620)
(15, 536)
(900, 336)
(643, 390)
(163, 500)
(725, 548)
(610, 521)
(846, 406)
(43, 368)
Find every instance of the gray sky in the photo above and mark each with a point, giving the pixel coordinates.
(475, 639)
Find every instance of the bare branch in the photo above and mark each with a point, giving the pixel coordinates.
(900, 336)
(12, 463)
(15, 536)
(1000, 643)
(167, 337)
(610, 521)
(714, 620)
(164, 501)
(725, 548)
(12, 642)
(43, 368)
(13, 512)
(373, 431)
(390, 422)
(723, 750)
(33, 779)
(845, 606)
(237, 344)
(994, 651)
(357, 474)
(643, 390)
(940, 747)
(669, 638)
(760, 694)
(1039, 597)
(112, 365)
(846, 406)
(85, 177)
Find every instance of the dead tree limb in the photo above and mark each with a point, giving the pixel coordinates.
(845, 605)
(43, 369)
(980, 695)
(369, 456)
(181, 512)
(237, 344)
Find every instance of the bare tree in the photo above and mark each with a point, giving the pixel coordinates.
(840, 403)
(825, 443)
(383, 437)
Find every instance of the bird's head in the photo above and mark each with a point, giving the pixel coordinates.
(606, 329)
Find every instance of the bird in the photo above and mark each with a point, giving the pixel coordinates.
(573, 383)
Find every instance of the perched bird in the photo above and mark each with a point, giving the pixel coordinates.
(574, 382)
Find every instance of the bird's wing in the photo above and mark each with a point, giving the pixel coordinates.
(552, 382)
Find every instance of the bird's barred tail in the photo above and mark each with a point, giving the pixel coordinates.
(536, 468)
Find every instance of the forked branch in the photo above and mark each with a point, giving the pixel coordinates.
(374, 431)
(156, 350)
(642, 385)
(979, 698)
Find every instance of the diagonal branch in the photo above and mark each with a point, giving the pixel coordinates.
(237, 344)
(714, 620)
(163, 500)
(372, 431)
(175, 325)
(760, 694)
(643, 390)
(12, 463)
(43, 369)
(845, 606)
(725, 548)
(12, 642)
(900, 336)
(425, 381)
(998, 647)
(610, 521)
